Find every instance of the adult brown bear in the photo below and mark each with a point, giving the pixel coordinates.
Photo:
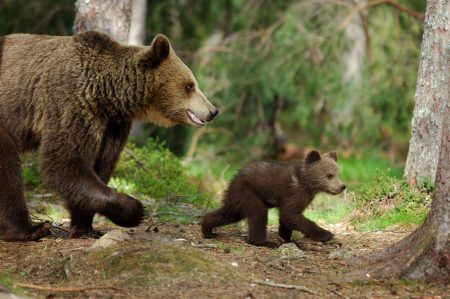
(73, 99)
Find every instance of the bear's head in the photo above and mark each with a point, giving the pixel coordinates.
(323, 172)
(174, 96)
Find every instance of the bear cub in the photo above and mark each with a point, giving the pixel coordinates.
(287, 186)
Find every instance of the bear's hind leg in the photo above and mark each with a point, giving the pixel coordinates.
(15, 223)
(222, 216)
(256, 212)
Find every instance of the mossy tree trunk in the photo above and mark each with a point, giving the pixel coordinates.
(425, 254)
(111, 17)
(432, 94)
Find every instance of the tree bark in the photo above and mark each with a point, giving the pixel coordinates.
(111, 17)
(137, 38)
(432, 94)
(425, 254)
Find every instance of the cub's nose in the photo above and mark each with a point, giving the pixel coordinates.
(213, 114)
(343, 187)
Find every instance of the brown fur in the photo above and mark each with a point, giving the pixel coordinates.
(73, 100)
(290, 187)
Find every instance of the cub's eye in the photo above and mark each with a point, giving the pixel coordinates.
(329, 176)
(190, 87)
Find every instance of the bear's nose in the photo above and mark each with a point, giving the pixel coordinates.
(213, 114)
(343, 187)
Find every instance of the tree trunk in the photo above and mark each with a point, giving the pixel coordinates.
(111, 17)
(137, 38)
(425, 254)
(432, 94)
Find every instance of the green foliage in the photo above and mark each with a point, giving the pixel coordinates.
(39, 16)
(31, 174)
(387, 201)
(152, 171)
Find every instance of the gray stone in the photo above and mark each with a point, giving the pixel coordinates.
(340, 253)
(111, 238)
(291, 250)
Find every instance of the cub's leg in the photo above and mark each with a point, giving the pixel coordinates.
(15, 223)
(114, 140)
(295, 220)
(284, 232)
(254, 209)
(222, 216)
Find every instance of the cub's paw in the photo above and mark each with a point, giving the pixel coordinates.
(125, 210)
(79, 233)
(264, 243)
(322, 236)
(209, 235)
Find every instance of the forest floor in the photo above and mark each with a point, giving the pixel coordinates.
(176, 262)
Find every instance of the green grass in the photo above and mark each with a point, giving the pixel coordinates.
(356, 171)
(390, 201)
(391, 218)
(328, 209)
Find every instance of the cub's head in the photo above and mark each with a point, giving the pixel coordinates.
(174, 95)
(323, 172)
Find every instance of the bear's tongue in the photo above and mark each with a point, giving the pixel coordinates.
(195, 119)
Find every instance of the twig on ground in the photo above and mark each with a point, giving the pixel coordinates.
(80, 289)
(286, 286)
(337, 293)
(197, 245)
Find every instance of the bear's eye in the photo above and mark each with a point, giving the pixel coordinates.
(190, 87)
(330, 176)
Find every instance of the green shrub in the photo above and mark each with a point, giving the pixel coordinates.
(387, 201)
(156, 176)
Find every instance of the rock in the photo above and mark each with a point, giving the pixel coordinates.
(291, 250)
(111, 238)
(340, 253)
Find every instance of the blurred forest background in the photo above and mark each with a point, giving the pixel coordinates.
(287, 76)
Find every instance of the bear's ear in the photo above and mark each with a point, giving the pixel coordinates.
(159, 50)
(312, 156)
(332, 155)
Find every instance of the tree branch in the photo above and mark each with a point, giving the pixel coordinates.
(415, 14)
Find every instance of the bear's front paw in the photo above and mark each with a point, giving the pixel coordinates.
(321, 236)
(125, 210)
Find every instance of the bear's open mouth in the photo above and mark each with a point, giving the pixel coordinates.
(195, 119)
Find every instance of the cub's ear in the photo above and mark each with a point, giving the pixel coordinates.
(312, 156)
(151, 57)
(332, 155)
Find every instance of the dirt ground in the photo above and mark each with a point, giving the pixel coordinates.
(175, 262)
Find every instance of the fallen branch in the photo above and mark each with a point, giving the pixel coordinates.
(286, 286)
(206, 245)
(83, 289)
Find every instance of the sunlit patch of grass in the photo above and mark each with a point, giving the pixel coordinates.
(328, 209)
(389, 219)
(356, 171)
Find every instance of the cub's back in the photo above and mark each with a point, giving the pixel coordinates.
(267, 179)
